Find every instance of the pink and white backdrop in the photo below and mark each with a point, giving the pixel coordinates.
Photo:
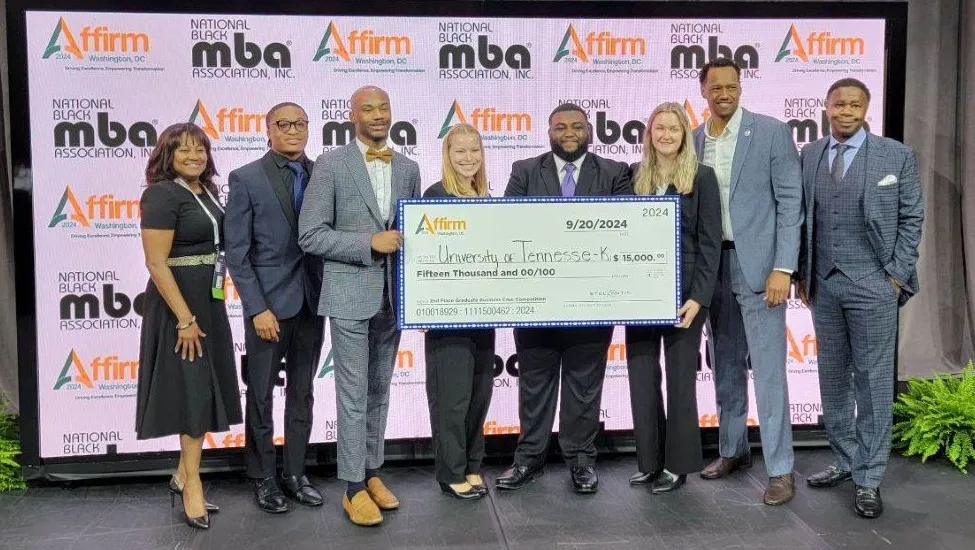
(103, 86)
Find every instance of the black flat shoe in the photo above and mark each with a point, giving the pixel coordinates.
(867, 502)
(643, 478)
(300, 490)
(584, 479)
(830, 477)
(667, 482)
(269, 496)
(470, 494)
(177, 491)
(517, 477)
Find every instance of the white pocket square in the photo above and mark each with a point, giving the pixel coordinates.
(889, 179)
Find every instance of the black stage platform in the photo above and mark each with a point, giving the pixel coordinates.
(928, 507)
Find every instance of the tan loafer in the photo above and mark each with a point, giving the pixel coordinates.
(383, 497)
(361, 509)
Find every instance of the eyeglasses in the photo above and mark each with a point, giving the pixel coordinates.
(286, 125)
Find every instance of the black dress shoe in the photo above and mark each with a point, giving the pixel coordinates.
(643, 478)
(830, 477)
(300, 490)
(469, 494)
(584, 479)
(517, 477)
(667, 482)
(867, 503)
(269, 497)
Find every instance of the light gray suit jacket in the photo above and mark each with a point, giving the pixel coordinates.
(766, 197)
(339, 216)
(893, 208)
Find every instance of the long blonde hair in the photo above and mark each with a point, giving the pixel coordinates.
(453, 183)
(685, 167)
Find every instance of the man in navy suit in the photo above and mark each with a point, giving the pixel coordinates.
(864, 212)
(279, 287)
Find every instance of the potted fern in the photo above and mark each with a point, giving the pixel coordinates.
(938, 416)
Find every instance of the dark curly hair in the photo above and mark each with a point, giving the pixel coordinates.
(160, 165)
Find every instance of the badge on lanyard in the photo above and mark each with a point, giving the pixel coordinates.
(219, 273)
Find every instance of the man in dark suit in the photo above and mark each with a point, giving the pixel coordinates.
(579, 353)
(864, 212)
(279, 287)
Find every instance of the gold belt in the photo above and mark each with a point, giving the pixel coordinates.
(199, 259)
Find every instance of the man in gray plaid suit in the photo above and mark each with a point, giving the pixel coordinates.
(348, 211)
(864, 212)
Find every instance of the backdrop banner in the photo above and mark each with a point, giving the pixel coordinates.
(103, 86)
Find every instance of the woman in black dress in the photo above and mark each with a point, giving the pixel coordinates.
(668, 448)
(187, 374)
(460, 363)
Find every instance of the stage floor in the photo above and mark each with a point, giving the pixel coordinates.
(928, 507)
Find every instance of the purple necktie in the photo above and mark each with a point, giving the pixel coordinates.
(569, 183)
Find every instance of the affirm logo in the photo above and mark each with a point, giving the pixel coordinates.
(462, 56)
(229, 120)
(819, 47)
(96, 210)
(600, 45)
(239, 57)
(695, 117)
(104, 372)
(360, 43)
(803, 349)
(98, 39)
(440, 226)
(487, 119)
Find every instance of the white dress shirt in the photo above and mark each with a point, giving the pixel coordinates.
(381, 178)
(719, 154)
(560, 169)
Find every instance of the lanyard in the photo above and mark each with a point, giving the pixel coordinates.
(213, 220)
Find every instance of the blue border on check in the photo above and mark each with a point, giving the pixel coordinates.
(401, 273)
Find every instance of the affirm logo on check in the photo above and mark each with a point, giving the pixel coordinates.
(441, 226)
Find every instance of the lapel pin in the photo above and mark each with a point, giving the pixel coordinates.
(748, 133)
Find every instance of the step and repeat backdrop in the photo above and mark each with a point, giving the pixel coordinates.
(103, 86)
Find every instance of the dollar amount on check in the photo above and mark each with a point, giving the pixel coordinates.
(539, 262)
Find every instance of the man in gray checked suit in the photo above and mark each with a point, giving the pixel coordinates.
(348, 210)
(755, 161)
(864, 212)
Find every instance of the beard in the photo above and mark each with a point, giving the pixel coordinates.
(566, 155)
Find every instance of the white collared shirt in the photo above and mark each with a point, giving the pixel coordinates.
(719, 154)
(381, 178)
(560, 168)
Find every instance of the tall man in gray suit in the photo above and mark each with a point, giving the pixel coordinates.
(864, 212)
(348, 213)
(279, 287)
(755, 161)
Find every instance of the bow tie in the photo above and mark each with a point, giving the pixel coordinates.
(385, 155)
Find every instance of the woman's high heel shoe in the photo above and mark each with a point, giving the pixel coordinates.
(469, 494)
(479, 487)
(177, 491)
(202, 522)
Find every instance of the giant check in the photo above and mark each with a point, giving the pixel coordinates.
(539, 261)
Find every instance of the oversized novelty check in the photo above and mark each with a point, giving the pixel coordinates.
(539, 261)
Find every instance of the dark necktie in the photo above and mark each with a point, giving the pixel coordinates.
(301, 181)
(569, 182)
(839, 163)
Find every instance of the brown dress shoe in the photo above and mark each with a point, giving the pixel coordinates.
(780, 490)
(383, 497)
(361, 509)
(724, 466)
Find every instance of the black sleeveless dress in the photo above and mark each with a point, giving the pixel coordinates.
(176, 396)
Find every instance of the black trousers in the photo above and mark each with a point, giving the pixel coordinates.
(573, 359)
(299, 344)
(672, 441)
(460, 381)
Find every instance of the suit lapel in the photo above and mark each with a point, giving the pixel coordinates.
(587, 177)
(396, 186)
(699, 140)
(357, 167)
(874, 160)
(281, 190)
(741, 148)
(550, 176)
